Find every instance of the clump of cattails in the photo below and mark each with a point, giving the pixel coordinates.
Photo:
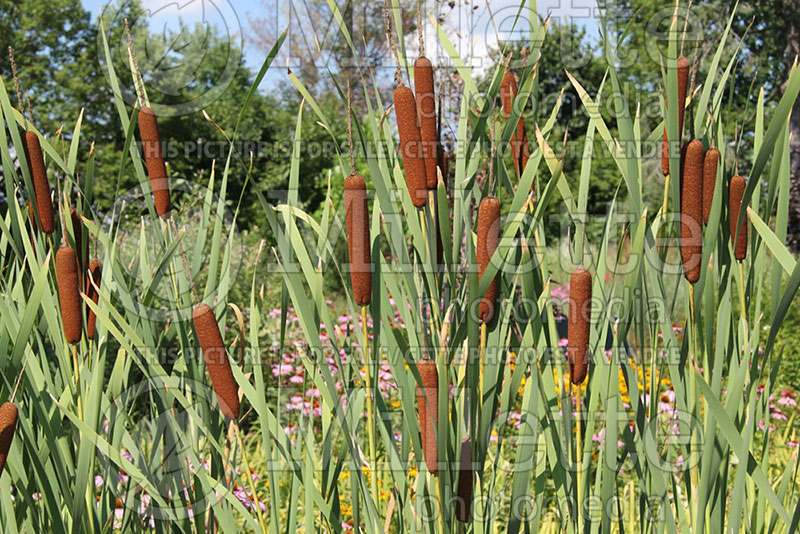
(709, 181)
(358, 242)
(488, 239)
(736, 192)
(8, 424)
(428, 405)
(692, 211)
(683, 82)
(219, 368)
(41, 187)
(154, 159)
(95, 273)
(68, 293)
(579, 325)
(405, 109)
(426, 114)
(464, 490)
(519, 140)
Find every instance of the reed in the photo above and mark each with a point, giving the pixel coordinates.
(41, 187)
(426, 114)
(428, 405)
(488, 239)
(736, 192)
(154, 159)
(217, 364)
(68, 293)
(405, 109)
(579, 324)
(95, 273)
(683, 82)
(9, 415)
(710, 163)
(692, 211)
(358, 239)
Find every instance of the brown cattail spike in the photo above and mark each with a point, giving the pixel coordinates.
(219, 368)
(736, 193)
(488, 239)
(578, 329)
(710, 164)
(464, 494)
(519, 140)
(358, 242)
(405, 109)
(428, 405)
(692, 211)
(95, 274)
(80, 244)
(8, 424)
(68, 293)
(153, 157)
(426, 114)
(41, 187)
(683, 82)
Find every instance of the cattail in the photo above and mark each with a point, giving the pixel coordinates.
(464, 493)
(426, 114)
(519, 140)
(219, 368)
(709, 181)
(96, 273)
(578, 328)
(488, 239)
(80, 245)
(405, 109)
(8, 424)
(736, 192)
(692, 211)
(428, 404)
(41, 187)
(156, 168)
(683, 82)
(68, 293)
(358, 242)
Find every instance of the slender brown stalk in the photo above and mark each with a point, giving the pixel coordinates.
(488, 239)
(736, 192)
(68, 293)
(41, 187)
(358, 239)
(579, 325)
(428, 405)
(93, 277)
(465, 482)
(426, 114)
(154, 159)
(710, 164)
(520, 150)
(692, 211)
(217, 363)
(405, 109)
(683, 82)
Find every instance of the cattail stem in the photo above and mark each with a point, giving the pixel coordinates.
(185, 263)
(482, 370)
(256, 501)
(578, 455)
(438, 481)
(77, 379)
(742, 302)
(373, 455)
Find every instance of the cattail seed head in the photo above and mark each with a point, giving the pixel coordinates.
(68, 293)
(154, 159)
(358, 241)
(217, 363)
(428, 405)
(95, 271)
(683, 83)
(41, 187)
(405, 109)
(488, 239)
(736, 193)
(520, 151)
(464, 493)
(8, 424)
(578, 327)
(692, 211)
(709, 181)
(426, 113)
(80, 244)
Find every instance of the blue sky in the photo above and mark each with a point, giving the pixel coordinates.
(469, 24)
